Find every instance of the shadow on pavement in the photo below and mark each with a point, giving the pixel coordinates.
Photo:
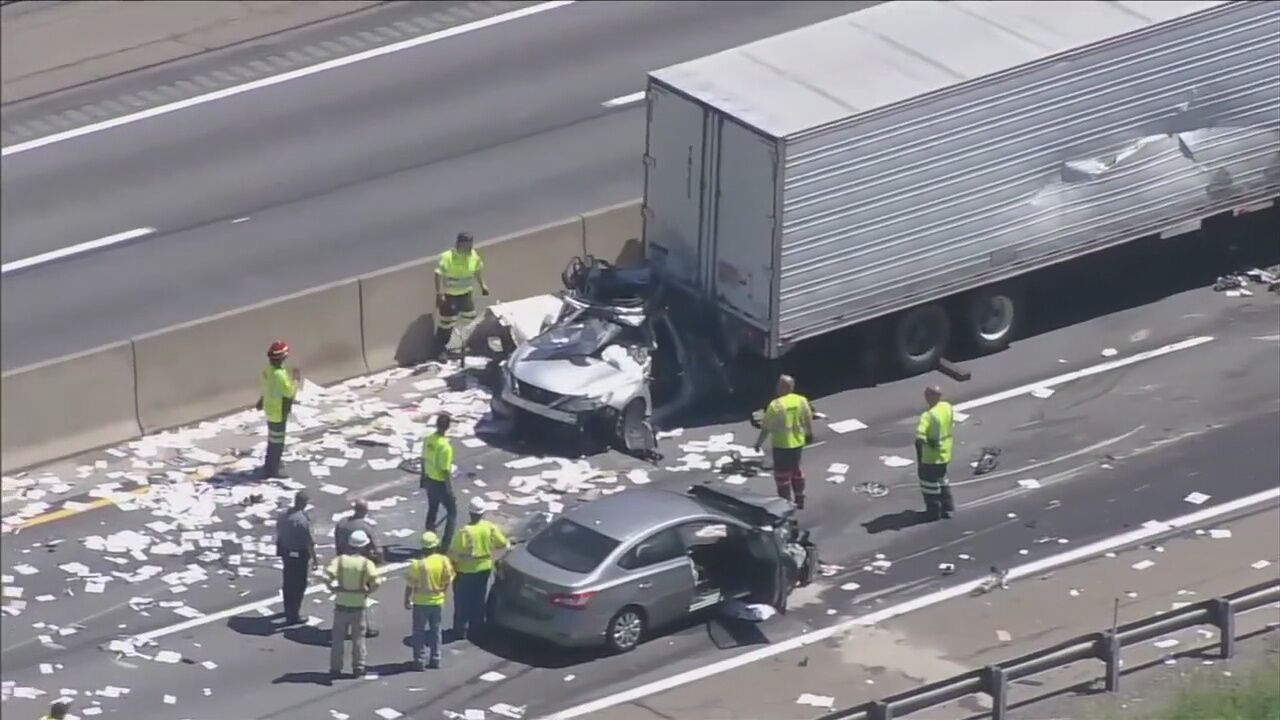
(900, 520)
(727, 633)
(256, 626)
(528, 651)
(308, 635)
(393, 668)
(304, 678)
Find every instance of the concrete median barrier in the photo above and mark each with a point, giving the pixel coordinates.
(396, 312)
(67, 405)
(195, 371)
(615, 233)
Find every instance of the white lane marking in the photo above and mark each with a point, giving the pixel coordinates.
(43, 258)
(1054, 461)
(284, 77)
(1032, 568)
(624, 100)
(384, 571)
(1084, 373)
(1268, 338)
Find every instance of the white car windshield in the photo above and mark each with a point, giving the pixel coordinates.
(585, 335)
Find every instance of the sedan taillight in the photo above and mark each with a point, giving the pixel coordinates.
(572, 601)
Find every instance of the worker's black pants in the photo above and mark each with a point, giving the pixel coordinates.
(275, 448)
(295, 583)
(939, 504)
(454, 309)
(470, 595)
(440, 493)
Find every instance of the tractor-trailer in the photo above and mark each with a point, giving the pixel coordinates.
(901, 167)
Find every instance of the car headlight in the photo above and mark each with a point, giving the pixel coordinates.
(580, 404)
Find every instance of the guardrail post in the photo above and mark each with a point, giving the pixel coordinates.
(880, 711)
(1224, 616)
(1109, 652)
(997, 681)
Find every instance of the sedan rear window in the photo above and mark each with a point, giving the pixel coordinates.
(570, 546)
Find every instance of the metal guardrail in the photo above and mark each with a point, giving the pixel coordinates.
(1105, 646)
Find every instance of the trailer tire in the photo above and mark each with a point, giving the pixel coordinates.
(991, 317)
(918, 339)
(629, 420)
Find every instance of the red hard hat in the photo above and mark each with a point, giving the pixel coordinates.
(278, 348)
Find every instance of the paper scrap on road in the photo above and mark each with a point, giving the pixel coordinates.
(850, 586)
(1196, 498)
(170, 700)
(1110, 352)
(1166, 643)
(847, 426)
(818, 701)
(1220, 534)
(894, 461)
(493, 676)
(333, 489)
(1260, 564)
(168, 656)
(387, 713)
(1004, 636)
(507, 711)
(1042, 392)
(1029, 484)
(1143, 565)
(838, 469)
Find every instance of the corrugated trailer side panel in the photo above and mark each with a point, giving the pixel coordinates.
(1029, 167)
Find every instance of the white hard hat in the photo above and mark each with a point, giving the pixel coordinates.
(358, 539)
(477, 506)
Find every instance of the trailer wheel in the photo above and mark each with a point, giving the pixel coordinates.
(629, 422)
(919, 339)
(991, 318)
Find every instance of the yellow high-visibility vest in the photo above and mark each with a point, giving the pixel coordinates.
(785, 418)
(430, 577)
(459, 271)
(474, 545)
(357, 576)
(277, 385)
(934, 429)
(437, 457)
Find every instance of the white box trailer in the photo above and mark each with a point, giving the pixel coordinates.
(904, 163)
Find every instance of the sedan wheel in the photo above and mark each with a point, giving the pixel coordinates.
(626, 629)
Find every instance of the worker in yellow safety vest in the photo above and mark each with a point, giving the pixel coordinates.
(57, 711)
(429, 578)
(472, 554)
(457, 274)
(352, 578)
(437, 471)
(933, 452)
(788, 422)
(279, 388)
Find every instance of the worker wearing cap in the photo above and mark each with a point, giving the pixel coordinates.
(437, 471)
(472, 553)
(359, 520)
(58, 710)
(352, 578)
(933, 453)
(457, 274)
(278, 392)
(430, 576)
(788, 421)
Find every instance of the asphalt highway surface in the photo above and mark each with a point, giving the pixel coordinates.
(1190, 403)
(357, 168)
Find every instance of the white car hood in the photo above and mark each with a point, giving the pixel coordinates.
(581, 376)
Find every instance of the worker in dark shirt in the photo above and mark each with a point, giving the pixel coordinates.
(297, 548)
(359, 520)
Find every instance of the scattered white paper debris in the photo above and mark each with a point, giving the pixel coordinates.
(847, 426)
(735, 480)
(1166, 643)
(1143, 565)
(493, 676)
(1260, 564)
(838, 469)
(1029, 484)
(850, 586)
(1220, 534)
(170, 700)
(387, 713)
(507, 711)
(1196, 498)
(894, 461)
(1110, 352)
(818, 701)
(333, 489)
(168, 656)
(1042, 392)
(1003, 636)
